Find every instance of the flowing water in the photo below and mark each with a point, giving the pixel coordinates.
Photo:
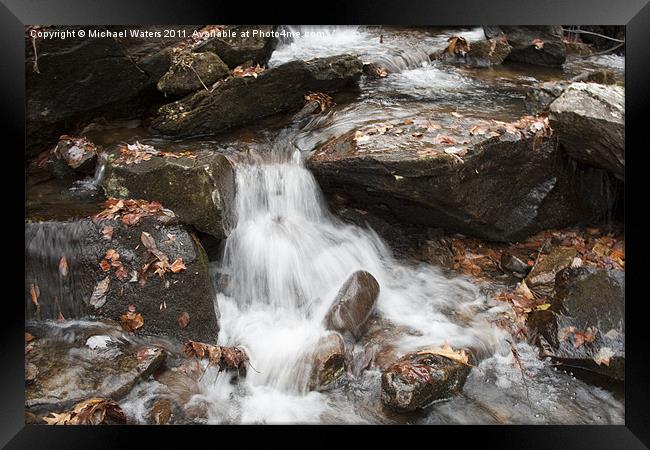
(286, 257)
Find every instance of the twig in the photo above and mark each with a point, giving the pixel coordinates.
(521, 369)
(594, 34)
(199, 77)
(35, 64)
(604, 52)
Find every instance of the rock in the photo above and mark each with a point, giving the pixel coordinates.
(541, 278)
(87, 290)
(601, 76)
(465, 175)
(418, 379)
(438, 252)
(589, 119)
(585, 325)
(513, 264)
(577, 48)
(70, 73)
(328, 362)
(206, 69)
(484, 53)
(526, 45)
(241, 100)
(236, 48)
(73, 154)
(353, 304)
(198, 190)
(69, 371)
(165, 411)
(540, 96)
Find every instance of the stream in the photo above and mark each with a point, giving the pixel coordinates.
(286, 255)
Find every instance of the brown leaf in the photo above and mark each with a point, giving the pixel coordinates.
(63, 266)
(112, 254)
(147, 240)
(105, 265)
(184, 320)
(34, 292)
(448, 352)
(538, 43)
(177, 265)
(28, 337)
(132, 320)
(107, 232)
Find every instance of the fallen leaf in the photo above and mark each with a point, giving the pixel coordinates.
(543, 307)
(98, 297)
(112, 254)
(522, 288)
(107, 232)
(183, 319)
(63, 266)
(132, 320)
(147, 240)
(177, 265)
(603, 356)
(105, 265)
(448, 352)
(34, 292)
(538, 43)
(581, 337)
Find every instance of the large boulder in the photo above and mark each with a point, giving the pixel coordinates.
(418, 379)
(353, 304)
(64, 77)
(493, 180)
(539, 45)
(199, 188)
(241, 44)
(585, 325)
(196, 71)
(104, 269)
(81, 364)
(589, 119)
(483, 53)
(241, 100)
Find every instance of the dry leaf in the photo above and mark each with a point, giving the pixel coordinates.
(63, 266)
(132, 320)
(183, 320)
(98, 297)
(34, 292)
(603, 356)
(448, 352)
(177, 265)
(107, 232)
(105, 265)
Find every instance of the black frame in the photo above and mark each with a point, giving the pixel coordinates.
(15, 14)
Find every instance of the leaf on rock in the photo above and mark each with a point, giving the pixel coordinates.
(34, 292)
(456, 355)
(93, 411)
(224, 357)
(177, 266)
(132, 320)
(107, 232)
(183, 320)
(98, 297)
(147, 240)
(603, 356)
(538, 43)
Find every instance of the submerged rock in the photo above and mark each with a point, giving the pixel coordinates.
(241, 100)
(539, 45)
(74, 270)
(418, 379)
(353, 304)
(329, 362)
(239, 47)
(199, 190)
(71, 370)
(585, 325)
(204, 70)
(489, 179)
(589, 119)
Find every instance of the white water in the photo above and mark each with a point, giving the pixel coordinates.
(286, 258)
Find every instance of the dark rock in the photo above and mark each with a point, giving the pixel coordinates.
(353, 304)
(160, 300)
(601, 76)
(600, 43)
(235, 50)
(438, 252)
(418, 379)
(73, 154)
(238, 101)
(513, 264)
(578, 48)
(198, 190)
(589, 119)
(585, 326)
(484, 53)
(521, 38)
(541, 278)
(329, 362)
(540, 96)
(206, 69)
(72, 71)
(71, 371)
(499, 185)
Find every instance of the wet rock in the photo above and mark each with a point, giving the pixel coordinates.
(539, 97)
(165, 411)
(329, 362)
(418, 379)
(464, 175)
(589, 119)
(206, 69)
(353, 304)
(584, 327)
(198, 190)
(484, 53)
(539, 45)
(541, 278)
(62, 86)
(72, 154)
(513, 264)
(71, 371)
(254, 48)
(182, 381)
(85, 289)
(602, 76)
(438, 252)
(238, 101)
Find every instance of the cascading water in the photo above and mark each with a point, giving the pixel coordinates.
(285, 259)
